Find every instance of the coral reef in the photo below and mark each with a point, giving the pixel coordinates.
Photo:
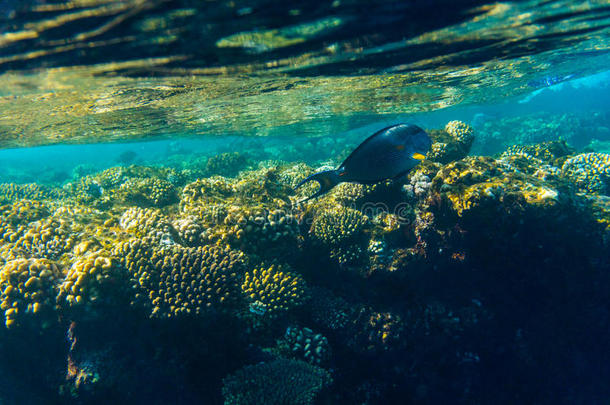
(338, 226)
(551, 152)
(179, 281)
(429, 288)
(294, 382)
(28, 288)
(452, 143)
(226, 164)
(590, 172)
(303, 343)
(93, 281)
(271, 290)
(147, 192)
(10, 192)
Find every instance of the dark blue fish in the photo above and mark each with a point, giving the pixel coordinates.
(387, 154)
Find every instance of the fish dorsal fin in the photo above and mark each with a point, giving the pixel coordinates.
(367, 141)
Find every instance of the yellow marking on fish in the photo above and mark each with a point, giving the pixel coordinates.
(400, 147)
(418, 156)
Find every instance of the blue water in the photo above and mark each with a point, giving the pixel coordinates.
(156, 245)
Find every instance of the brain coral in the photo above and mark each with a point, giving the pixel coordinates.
(277, 382)
(27, 288)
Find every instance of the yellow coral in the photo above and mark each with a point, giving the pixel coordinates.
(182, 281)
(273, 290)
(338, 225)
(90, 280)
(27, 287)
(460, 131)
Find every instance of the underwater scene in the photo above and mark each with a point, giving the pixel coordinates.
(268, 202)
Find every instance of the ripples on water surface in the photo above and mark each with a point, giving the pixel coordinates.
(91, 70)
(152, 249)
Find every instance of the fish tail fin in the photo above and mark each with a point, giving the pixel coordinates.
(327, 180)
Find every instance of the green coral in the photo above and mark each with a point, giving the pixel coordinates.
(292, 382)
(226, 164)
(305, 344)
(147, 192)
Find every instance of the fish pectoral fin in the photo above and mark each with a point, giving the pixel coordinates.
(418, 156)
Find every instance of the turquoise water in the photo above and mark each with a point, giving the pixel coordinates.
(155, 246)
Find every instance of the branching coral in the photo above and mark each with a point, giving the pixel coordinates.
(306, 344)
(273, 290)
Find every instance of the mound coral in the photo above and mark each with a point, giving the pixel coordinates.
(377, 331)
(147, 222)
(182, 281)
(23, 211)
(590, 172)
(32, 191)
(272, 290)
(147, 192)
(267, 233)
(93, 280)
(337, 226)
(226, 164)
(452, 143)
(28, 288)
(48, 238)
(328, 311)
(551, 152)
(294, 382)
